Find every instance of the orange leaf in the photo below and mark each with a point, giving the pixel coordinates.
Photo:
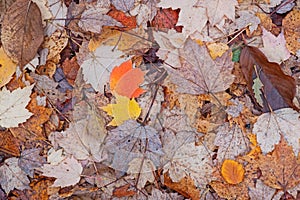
(125, 80)
(232, 172)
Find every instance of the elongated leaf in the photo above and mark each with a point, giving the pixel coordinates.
(278, 89)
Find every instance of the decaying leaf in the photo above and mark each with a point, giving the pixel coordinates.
(232, 171)
(278, 89)
(124, 109)
(231, 142)
(291, 24)
(199, 73)
(261, 191)
(12, 176)
(281, 169)
(67, 172)
(271, 126)
(125, 80)
(12, 106)
(22, 31)
(133, 140)
(143, 170)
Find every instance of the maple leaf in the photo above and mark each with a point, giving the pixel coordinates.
(199, 73)
(97, 65)
(123, 110)
(123, 5)
(271, 126)
(59, 11)
(12, 106)
(281, 169)
(217, 9)
(133, 140)
(261, 191)
(67, 172)
(125, 80)
(12, 176)
(272, 42)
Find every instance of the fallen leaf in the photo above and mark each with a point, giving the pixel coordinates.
(261, 191)
(125, 80)
(217, 49)
(192, 18)
(291, 24)
(185, 187)
(231, 142)
(123, 191)
(85, 136)
(232, 171)
(142, 169)
(166, 19)
(133, 140)
(67, 172)
(199, 73)
(97, 65)
(270, 126)
(278, 89)
(189, 160)
(124, 109)
(94, 18)
(281, 169)
(158, 194)
(30, 160)
(218, 9)
(9, 144)
(12, 106)
(144, 11)
(123, 5)
(12, 176)
(70, 68)
(128, 22)
(274, 47)
(22, 31)
(59, 11)
(7, 68)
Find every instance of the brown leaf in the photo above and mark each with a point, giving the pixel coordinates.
(278, 88)
(9, 144)
(22, 31)
(123, 191)
(166, 19)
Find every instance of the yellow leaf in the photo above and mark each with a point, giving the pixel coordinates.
(217, 49)
(123, 110)
(232, 171)
(7, 68)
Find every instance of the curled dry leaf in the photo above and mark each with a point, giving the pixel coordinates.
(278, 89)
(22, 31)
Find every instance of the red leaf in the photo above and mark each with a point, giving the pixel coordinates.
(166, 19)
(125, 80)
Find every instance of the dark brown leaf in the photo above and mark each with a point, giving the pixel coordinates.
(22, 31)
(278, 88)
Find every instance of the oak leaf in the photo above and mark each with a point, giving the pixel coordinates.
(125, 80)
(232, 171)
